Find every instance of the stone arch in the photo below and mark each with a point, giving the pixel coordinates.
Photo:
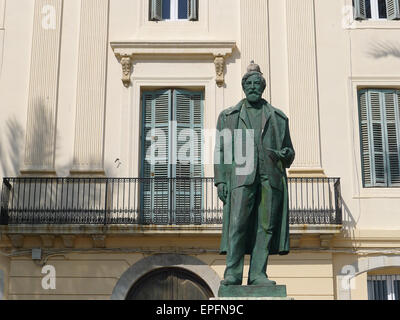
(148, 264)
(364, 264)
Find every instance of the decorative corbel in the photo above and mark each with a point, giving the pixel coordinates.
(295, 240)
(17, 240)
(325, 240)
(68, 240)
(99, 241)
(126, 61)
(219, 61)
(47, 240)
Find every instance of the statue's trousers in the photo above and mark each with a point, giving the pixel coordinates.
(256, 212)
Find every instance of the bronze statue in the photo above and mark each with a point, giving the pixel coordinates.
(256, 217)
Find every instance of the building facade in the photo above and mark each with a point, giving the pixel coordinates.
(87, 86)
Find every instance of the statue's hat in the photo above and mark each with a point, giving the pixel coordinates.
(253, 67)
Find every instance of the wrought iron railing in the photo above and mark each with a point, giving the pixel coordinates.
(162, 201)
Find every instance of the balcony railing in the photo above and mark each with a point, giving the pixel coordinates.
(142, 201)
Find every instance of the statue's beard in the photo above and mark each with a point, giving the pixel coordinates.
(253, 97)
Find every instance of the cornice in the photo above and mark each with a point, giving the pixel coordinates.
(126, 51)
(213, 48)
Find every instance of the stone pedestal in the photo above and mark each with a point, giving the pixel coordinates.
(264, 292)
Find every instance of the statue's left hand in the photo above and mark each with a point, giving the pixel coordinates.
(284, 153)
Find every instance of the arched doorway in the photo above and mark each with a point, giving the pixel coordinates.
(170, 284)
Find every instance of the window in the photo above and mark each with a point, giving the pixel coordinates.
(172, 153)
(376, 9)
(384, 287)
(173, 10)
(379, 112)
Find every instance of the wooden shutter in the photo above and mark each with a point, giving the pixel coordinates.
(377, 137)
(393, 9)
(156, 119)
(193, 10)
(374, 166)
(364, 134)
(188, 111)
(156, 10)
(380, 137)
(360, 10)
(392, 136)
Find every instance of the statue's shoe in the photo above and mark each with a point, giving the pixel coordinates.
(231, 281)
(262, 281)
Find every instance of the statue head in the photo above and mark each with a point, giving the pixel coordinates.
(253, 83)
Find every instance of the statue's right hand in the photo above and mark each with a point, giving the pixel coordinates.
(222, 192)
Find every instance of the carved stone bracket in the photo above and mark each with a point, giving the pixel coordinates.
(326, 240)
(219, 62)
(99, 241)
(17, 240)
(217, 50)
(47, 240)
(68, 240)
(126, 61)
(295, 240)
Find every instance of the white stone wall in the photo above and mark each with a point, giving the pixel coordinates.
(313, 60)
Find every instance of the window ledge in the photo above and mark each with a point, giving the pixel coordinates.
(132, 48)
(375, 193)
(375, 24)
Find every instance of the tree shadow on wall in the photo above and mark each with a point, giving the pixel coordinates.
(384, 49)
(11, 143)
(40, 140)
(38, 146)
(36, 198)
(34, 151)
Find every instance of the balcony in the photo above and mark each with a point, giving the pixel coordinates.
(156, 202)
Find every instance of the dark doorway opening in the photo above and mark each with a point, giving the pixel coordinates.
(170, 284)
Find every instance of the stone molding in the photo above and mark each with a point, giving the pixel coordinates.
(126, 51)
(88, 154)
(42, 108)
(126, 230)
(146, 265)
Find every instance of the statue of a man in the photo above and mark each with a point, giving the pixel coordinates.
(256, 213)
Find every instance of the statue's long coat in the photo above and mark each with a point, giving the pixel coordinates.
(276, 136)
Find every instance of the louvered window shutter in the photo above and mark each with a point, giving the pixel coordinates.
(377, 138)
(360, 10)
(364, 134)
(392, 135)
(380, 137)
(373, 158)
(189, 153)
(393, 9)
(156, 10)
(156, 131)
(192, 10)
